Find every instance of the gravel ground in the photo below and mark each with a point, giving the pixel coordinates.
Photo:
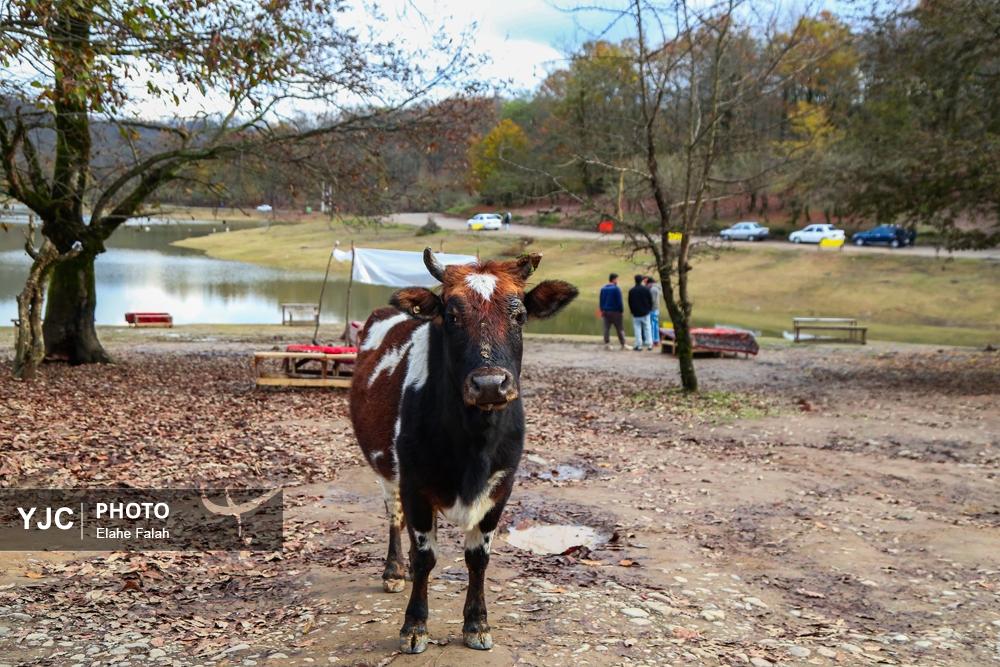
(815, 505)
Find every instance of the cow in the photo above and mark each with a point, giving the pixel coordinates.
(436, 407)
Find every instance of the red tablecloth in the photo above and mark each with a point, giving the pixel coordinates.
(719, 340)
(146, 318)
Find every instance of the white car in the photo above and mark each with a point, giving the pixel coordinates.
(747, 231)
(265, 208)
(486, 221)
(816, 233)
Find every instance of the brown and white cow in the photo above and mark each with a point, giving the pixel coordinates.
(435, 403)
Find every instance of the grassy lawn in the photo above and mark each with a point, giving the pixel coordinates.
(902, 298)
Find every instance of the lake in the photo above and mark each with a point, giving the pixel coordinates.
(142, 271)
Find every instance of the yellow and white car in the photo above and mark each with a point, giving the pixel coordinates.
(484, 221)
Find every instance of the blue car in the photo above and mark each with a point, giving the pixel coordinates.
(890, 235)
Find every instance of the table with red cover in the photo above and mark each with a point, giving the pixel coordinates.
(714, 339)
(149, 318)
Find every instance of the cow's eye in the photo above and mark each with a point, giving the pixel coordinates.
(520, 316)
(454, 319)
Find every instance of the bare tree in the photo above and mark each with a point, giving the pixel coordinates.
(700, 72)
(71, 70)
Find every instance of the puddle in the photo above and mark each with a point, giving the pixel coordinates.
(565, 472)
(546, 540)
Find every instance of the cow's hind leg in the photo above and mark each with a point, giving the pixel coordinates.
(476, 629)
(394, 574)
(423, 546)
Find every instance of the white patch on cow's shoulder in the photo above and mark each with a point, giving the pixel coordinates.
(468, 516)
(376, 331)
(388, 361)
(417, 364)
(475, 538)
(482, 284)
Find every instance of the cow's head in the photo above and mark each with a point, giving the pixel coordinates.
(481, 310)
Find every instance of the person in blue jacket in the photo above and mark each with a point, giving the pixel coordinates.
(612, 311)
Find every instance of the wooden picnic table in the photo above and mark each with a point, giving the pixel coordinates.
(331, 371)
(853, 333)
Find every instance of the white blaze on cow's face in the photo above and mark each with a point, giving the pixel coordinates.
(483, 284)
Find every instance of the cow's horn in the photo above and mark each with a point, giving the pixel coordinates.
(528, 263)
(433, 265)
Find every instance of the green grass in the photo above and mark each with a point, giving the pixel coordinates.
(901, 298)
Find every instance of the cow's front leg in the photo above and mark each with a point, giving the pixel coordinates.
(421, 524)
(476, 629)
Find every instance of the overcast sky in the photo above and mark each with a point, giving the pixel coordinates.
(524, 38)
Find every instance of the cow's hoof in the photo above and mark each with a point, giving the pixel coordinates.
(413, 640)
(393, 585)
(480, 640)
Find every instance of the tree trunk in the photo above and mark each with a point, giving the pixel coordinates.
(683, 348)
(70, 334)
(29, 350)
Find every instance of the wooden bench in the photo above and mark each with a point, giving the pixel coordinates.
(299, 313)
(304, 369)
(848, 326)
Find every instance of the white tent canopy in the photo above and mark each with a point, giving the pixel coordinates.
(395, 268)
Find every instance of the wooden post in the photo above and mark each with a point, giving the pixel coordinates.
(347, 308)
(319, 307)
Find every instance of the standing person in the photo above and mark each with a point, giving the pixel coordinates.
(506, 221)
(654, 315)
(640, 303)
(612, 311)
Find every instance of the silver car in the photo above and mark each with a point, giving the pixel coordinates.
(745, 231)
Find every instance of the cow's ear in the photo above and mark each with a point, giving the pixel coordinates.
(548, 298)
(417, 301)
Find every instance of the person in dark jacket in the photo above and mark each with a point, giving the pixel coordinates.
(612, 310)
(640, 303)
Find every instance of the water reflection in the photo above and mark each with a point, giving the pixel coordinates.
(141, 271)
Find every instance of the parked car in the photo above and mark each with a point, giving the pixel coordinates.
(265, 208)
(486, 221)
(745, 231)
(891, 235)
(816, 233)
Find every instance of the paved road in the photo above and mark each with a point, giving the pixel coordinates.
(458, 224)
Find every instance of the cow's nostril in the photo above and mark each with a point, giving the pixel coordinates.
(492, 386)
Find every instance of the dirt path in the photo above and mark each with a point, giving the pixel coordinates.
(814, 506)
(458, 224)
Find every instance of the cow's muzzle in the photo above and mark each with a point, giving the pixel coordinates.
(489, 388)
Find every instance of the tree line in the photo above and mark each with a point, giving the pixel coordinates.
(888, 118)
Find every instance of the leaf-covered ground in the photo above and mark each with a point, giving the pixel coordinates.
(815, 506)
